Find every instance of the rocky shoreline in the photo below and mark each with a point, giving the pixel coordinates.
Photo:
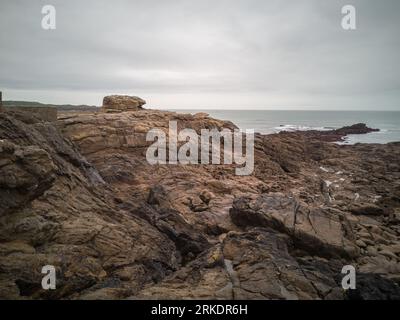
(79, 194)
(336, 135)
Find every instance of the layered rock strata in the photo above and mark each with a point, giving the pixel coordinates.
(79, 194)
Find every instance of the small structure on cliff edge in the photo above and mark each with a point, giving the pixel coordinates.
(116, 103)
(1, 101)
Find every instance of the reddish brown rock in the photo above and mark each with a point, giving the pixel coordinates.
(80, 195)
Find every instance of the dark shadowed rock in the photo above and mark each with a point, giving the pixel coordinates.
(359, 128)
(368, 209)
(54, 210)
(373, 287)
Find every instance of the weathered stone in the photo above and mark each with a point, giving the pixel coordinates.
(117, 103)
(368, 209)
(374, 287)
(79, 194)
(324, 232)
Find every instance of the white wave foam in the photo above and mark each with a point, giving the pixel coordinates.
(292, 127)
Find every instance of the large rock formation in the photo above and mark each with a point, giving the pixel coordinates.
(80, 195)
(118, 103)
(56, 209)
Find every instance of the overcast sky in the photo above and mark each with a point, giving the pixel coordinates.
(233, 54)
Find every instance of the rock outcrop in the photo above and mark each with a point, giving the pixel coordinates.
(325, 231)
(359, 128)
(56, 209)
(79, 194)
(336, 135)
(118, 103)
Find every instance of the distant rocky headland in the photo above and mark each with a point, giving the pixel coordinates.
(60, 107)
(77, 193)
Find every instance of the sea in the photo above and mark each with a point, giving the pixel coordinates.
(273, 121)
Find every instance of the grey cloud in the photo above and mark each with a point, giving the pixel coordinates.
(262, 53)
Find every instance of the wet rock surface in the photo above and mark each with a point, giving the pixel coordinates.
(79, 194)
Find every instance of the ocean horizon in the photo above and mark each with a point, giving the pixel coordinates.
(274, 121)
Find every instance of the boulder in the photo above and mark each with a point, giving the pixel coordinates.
(117, 103)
